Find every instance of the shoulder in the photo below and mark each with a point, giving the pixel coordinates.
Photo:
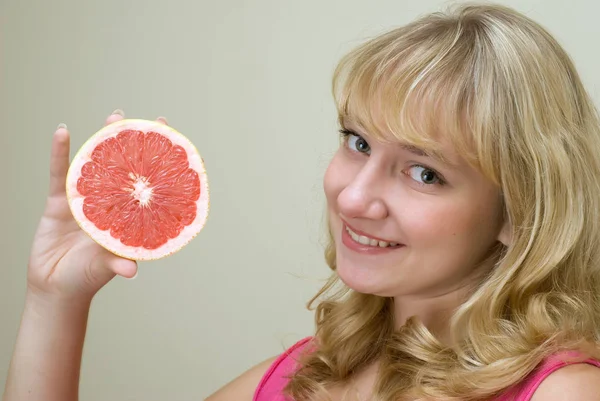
(577, 382)
(263, 381)
(243, 387)
(278, 375)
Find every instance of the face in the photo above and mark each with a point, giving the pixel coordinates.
(405, 223)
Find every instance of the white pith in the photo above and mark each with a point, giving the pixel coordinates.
(142, 189)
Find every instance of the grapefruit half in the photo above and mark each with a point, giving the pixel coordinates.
(139, 189)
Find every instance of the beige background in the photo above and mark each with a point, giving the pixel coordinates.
(249, 83)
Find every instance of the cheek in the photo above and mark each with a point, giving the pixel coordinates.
(426, 223)
(452, 224)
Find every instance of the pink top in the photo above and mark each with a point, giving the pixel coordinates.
(273, 382)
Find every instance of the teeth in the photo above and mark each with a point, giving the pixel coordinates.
(368, 241)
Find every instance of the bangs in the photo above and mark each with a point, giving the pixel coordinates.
(411, 86)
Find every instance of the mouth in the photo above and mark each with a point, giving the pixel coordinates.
(360, 241)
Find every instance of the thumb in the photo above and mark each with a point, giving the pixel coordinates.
(123, 267)
(104, 268)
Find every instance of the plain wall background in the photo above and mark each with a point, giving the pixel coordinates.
(249, 83)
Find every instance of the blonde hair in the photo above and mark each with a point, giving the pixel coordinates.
(510, 100)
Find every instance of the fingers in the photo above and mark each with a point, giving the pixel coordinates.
(116, 115)
(59, 160)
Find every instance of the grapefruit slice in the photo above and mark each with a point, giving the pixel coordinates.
(139, 189)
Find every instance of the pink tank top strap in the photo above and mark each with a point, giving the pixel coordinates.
(275, 379)
(525, 390)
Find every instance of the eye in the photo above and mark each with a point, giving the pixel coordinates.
(425, 176)
(355, 142)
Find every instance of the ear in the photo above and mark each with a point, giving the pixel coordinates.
(505, 234)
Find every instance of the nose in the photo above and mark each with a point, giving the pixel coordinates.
(363, 196)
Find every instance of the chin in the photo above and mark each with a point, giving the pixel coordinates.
(365, 280)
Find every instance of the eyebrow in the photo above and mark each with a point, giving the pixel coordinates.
(350, 125)
(418, 151)
(424, 153)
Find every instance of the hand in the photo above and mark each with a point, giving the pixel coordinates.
(65, 263)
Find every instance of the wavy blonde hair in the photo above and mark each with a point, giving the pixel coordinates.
(510, 99)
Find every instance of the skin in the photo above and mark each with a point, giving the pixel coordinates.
(447, 215)
(371, 192)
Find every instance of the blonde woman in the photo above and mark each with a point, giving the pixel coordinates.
(464, 222)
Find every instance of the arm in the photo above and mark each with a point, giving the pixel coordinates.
(47, 355)
(66, 269)
(243, 387)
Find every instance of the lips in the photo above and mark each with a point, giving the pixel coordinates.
(370, 241)
(364, 243)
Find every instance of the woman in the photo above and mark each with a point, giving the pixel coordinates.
(463, 212)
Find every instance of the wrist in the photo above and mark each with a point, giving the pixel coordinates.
(47, 303)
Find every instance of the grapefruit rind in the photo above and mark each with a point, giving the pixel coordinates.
(103, 238)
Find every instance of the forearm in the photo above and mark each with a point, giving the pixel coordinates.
(47, 356)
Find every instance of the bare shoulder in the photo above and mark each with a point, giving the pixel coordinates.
(243, 387)
(579, 382)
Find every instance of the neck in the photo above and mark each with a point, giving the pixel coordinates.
(434, 313)
(435, 309)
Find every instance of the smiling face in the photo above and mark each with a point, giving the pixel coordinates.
(405, 223)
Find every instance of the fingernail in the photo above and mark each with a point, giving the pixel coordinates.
(163, 119)
(134, 276)
(61, 125)
(119, 112)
